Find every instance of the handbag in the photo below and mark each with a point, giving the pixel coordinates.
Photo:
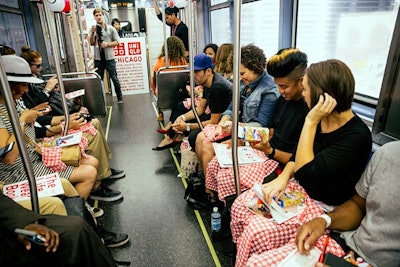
(188, 158)
(195, 194)
(75, 206)
(55, 102)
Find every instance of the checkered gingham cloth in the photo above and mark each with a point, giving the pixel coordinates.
(221, 180)
(266, 241)
(51, 156)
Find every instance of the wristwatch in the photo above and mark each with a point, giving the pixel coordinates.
(188, 127)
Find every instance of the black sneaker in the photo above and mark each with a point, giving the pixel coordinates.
(112, 240)
(116, 174)
(105, 194)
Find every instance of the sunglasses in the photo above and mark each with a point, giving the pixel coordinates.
(38, 65)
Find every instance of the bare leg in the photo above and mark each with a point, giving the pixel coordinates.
(84, 176)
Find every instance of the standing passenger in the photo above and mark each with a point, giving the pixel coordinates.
(104, 37)
(178, 28)
(116, 23)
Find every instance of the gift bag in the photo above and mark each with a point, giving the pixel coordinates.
(188, 158)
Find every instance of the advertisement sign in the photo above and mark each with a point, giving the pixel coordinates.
(131, 61)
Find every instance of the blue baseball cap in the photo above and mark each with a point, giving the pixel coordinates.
(202, 62)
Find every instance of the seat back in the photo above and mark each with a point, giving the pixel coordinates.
(94, 98)
(168, 82)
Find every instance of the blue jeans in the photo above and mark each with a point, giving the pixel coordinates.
(112, 71)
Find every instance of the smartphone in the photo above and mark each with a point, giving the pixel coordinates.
(31, 236)
(44, 110)
(6, 149)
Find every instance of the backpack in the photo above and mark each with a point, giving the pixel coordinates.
(195, 194)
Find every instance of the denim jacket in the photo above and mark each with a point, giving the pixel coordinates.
(259, 105)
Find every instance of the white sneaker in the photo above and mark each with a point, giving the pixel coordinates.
(95, 211)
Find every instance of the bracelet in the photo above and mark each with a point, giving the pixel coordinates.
(327, 219)
(188, 127)
(183, 117)
(272, 155)
(22, 123)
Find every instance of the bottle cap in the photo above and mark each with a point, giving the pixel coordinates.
(215, 209)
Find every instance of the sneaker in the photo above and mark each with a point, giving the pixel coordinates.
(120, 101)
(105, 194)
(115, 174)
(96, 212)
(110, 239)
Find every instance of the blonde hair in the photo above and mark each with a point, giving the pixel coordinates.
(222, 62)
(98, 10)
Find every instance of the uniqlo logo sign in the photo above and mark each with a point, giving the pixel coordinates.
(119, 50)
(134, 48)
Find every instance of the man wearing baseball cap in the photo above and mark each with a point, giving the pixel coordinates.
(217, 95)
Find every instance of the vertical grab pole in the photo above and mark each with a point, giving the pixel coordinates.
(191, 63)
(84, 48)
(164, 33)
(56, 55)
(6, 92)
(236, 91)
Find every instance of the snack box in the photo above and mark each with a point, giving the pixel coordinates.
(251, 133)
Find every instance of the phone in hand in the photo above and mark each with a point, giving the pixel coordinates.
(44, 110)
(6, 149)
(31, 236)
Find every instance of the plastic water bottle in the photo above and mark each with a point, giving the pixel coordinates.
(215, 220)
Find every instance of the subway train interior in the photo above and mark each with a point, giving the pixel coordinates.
(158, 225)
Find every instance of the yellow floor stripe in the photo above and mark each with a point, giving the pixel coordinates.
(196, 212)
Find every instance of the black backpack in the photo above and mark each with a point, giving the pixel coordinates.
(195, 193)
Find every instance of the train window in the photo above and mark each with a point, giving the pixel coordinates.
(10, 3)
(357, 32)
(259, 25)
(12, 32)
(221, 29)
(216, 2)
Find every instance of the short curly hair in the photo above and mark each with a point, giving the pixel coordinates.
(253, 58)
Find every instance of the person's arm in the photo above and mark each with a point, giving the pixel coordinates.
(264, 114)
(91, 36)
(277, 187)
(305, 148)
(346, 217)
(157, 10)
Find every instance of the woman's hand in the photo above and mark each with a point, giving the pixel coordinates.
(42, 108)
(51, 84)
(275, 188)
(76, 121)
(326, 104)
(226, 126)
(52, 237)
(29, 115)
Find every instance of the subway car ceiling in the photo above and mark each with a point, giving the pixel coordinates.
(364, 34)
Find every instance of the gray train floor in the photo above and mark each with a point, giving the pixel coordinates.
(163, 229)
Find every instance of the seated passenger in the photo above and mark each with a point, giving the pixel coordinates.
(287, 67)
(333, 149)
(368, 222)
(176, 57)
(11, 166)
(53, 123)
(224, 61)
(217, 94)
(258, 94)
(70, 241)
(211, 50)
